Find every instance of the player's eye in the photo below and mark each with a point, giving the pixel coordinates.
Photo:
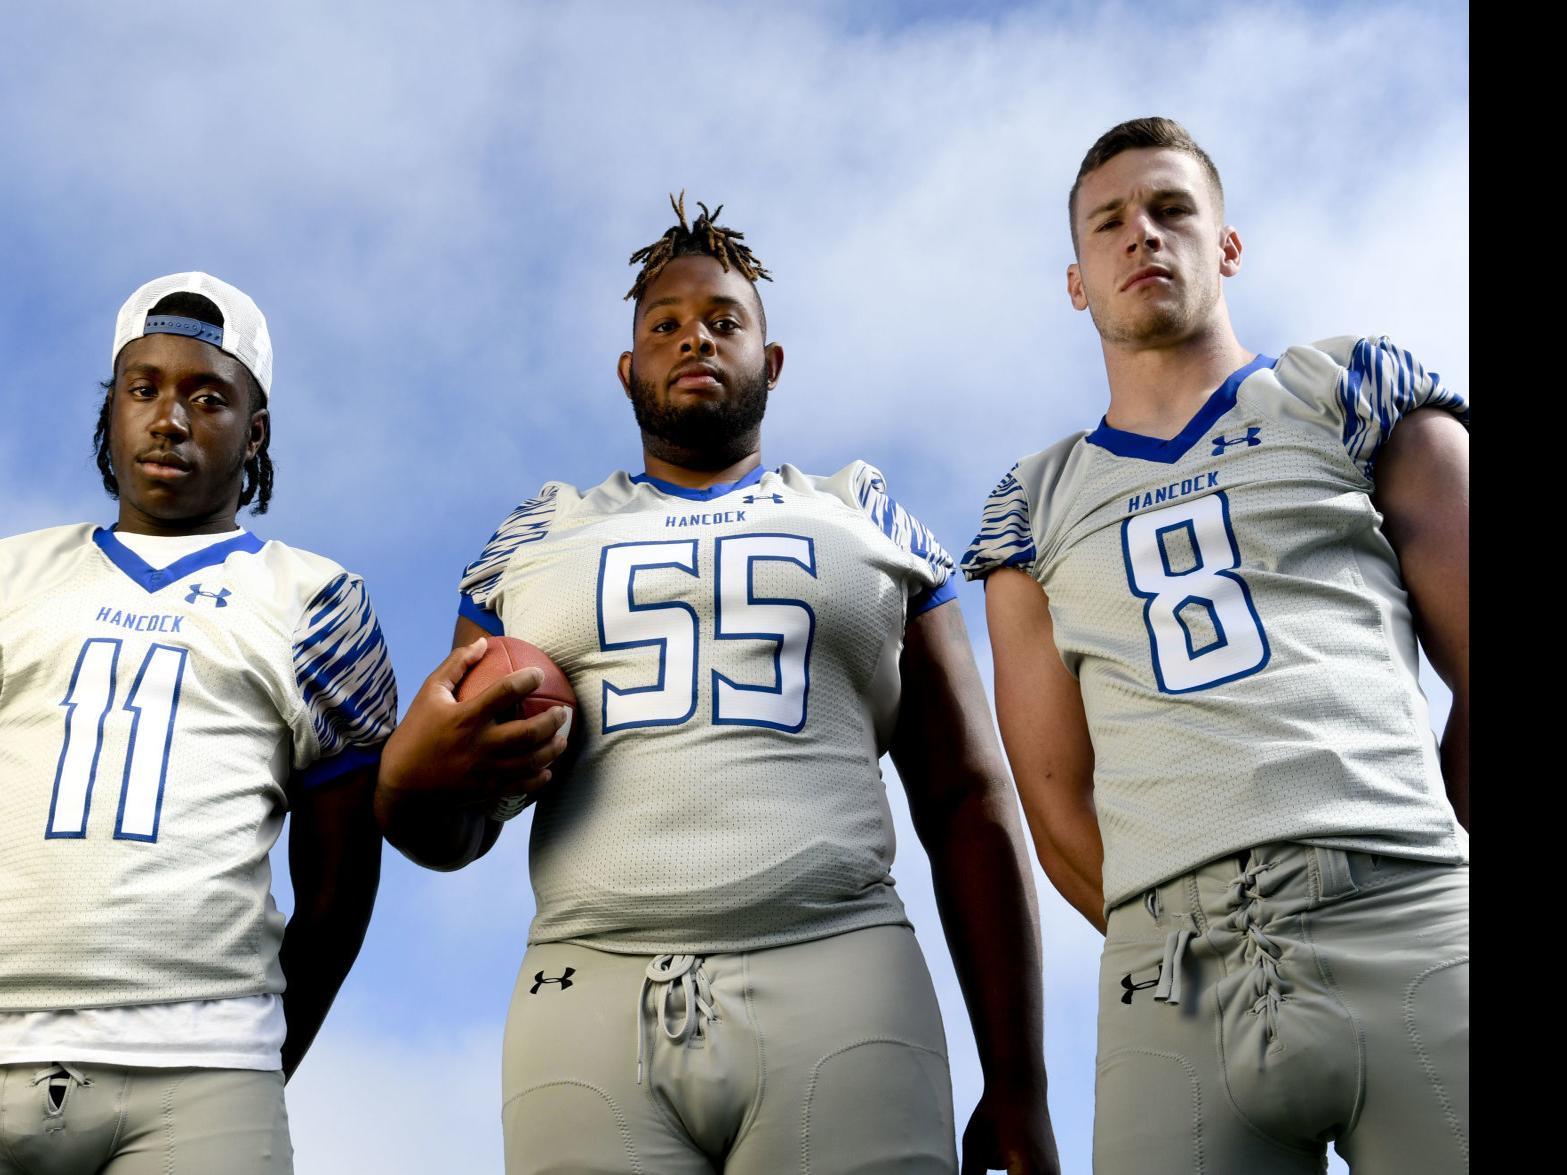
(1108, 224)
(1175, 210)
(663, 326)
(726, 324)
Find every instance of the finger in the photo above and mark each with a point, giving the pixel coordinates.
(525, 754)
(501, 698)
(506, 764)
(520, 733)
(523, 785)
(452, 670)
(482, 792)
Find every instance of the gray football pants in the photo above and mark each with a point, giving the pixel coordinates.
(83, 1119)
(825, 1056)
(1256, 1009)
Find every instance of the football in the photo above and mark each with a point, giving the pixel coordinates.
(505, 655)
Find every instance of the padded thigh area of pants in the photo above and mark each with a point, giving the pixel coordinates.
(869, 1107)
(571, 1128)
(1162, 1090)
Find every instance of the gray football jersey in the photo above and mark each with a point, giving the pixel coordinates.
(734, 653)
(1235, 617)
(150, 719)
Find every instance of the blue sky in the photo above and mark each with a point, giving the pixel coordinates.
(434, 205)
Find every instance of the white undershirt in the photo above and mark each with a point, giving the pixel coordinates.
(243, 1032)
(159, 550)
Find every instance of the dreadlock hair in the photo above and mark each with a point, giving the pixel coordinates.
(258, 470)
(703, 237)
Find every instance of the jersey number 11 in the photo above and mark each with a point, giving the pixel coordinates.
(153, 700)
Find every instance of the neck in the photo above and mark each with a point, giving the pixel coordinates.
(697, 479)
(1156, 390)
(134, 521)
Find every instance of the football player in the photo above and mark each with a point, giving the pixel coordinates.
(1204, 616)
(720, 975)
(170, 686)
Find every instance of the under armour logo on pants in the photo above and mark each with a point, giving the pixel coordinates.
(564, 979)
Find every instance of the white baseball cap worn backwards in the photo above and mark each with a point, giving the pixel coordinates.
(242, 335)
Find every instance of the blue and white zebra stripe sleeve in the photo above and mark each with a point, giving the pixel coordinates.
(528, 523)
(870, 490)
(1005, 537)
(1380, 385)
(345, 677)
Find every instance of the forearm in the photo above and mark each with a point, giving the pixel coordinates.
(1455, 756)
(429, 831)
(448, 762)
(1072, 855)
(319, 948)
(985, 894)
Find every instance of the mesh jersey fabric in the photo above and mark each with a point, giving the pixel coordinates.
(1235, 617)
(150, 723)
(734, 653)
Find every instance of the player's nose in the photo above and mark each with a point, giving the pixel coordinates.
(1147, 239)
(1142, 232)
(697, 340)
(169, 418)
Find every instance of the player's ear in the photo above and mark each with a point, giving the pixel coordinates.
(774, 354)
(623, 369)
(1229, 251)
(1074, 287)
(260, 422)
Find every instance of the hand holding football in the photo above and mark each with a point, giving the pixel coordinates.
(504, 655)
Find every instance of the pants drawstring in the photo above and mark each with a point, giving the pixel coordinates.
(60, 1076)
(1170, 968)
(665, 971)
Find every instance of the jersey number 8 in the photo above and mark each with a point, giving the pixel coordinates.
(1203, 628)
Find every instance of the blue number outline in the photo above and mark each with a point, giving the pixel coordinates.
(70, 706)
(130, 746)
(1220, 639)
(662, 642)
(1229, 573)
(776, 637)
(1190, 528)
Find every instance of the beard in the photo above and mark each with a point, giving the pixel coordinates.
(704, 434)
(1171, 322)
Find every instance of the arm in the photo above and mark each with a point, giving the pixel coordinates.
(334, 863)
(946, 754)
(1040, 711)
(449, 761)
(1423, 494)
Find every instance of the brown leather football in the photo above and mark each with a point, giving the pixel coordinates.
(504, 655)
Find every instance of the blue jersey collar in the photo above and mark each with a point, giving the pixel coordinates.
(1133, 444)
(707, 495)
(153, 579)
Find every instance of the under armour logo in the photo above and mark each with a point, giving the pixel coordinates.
(220, 597)
(753, 499)
(1129, 987)
(564, 979)
(1252, 437)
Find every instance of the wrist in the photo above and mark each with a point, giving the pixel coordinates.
(1016, 1078)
